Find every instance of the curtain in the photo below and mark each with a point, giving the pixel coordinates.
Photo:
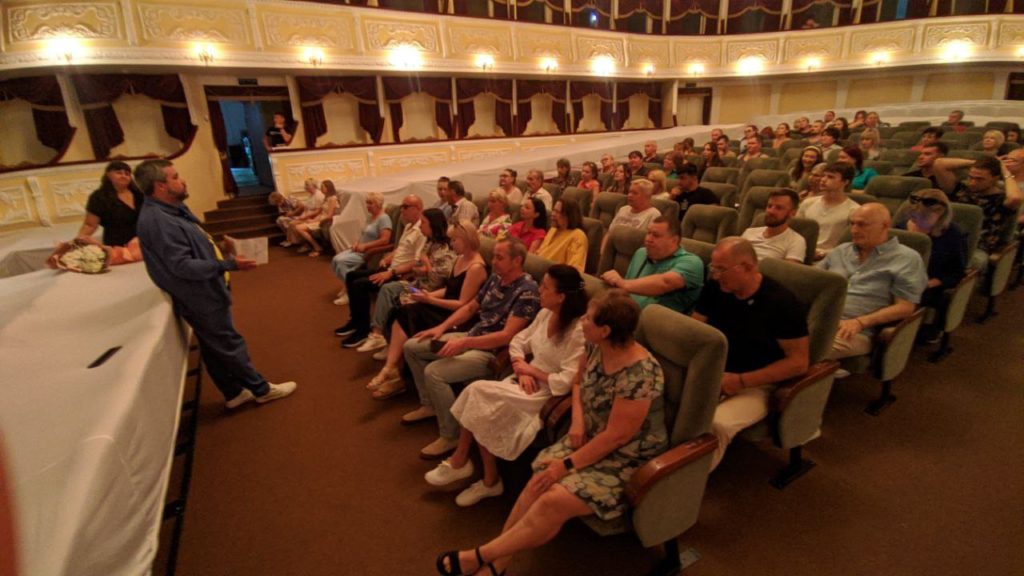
(48, 113)
(653, 9)
(581, 10)
(751, 16)
(580, 90)
(220, 140)
(313, 90)
(470, 88)
(628, 89)
(398, 87)
(97, 92)
(527, 89)
(685, 17)
(502, 8)
(819, 11)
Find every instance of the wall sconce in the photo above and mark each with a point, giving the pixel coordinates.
(315, 57)
(406, 57)
(956, 50)
(205, 53)
(485, 61)
(812, 64)
(1020, 52)
(647, 69)
(602, 66)
(64, 48)
(879, 58)
(751, 65)
(695, 69)
(548, 64)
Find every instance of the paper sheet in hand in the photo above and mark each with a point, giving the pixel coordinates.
(253, 248)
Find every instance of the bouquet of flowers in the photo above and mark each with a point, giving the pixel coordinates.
(80, 256)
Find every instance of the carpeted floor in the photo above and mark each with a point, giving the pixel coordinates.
(329, 482)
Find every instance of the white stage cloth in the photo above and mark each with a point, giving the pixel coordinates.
(89, 451)
(23, 251)
(977, 111)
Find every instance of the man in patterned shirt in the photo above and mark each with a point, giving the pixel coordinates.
(1000, 205)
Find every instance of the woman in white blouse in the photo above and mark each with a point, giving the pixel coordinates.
(503, 417)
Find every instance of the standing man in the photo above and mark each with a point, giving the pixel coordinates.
(183, 260)
(277, 136)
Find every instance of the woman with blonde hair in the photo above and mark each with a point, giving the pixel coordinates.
(993, 142)
(870, 143)
(497, 221)
(376, 235)
(302, 229)
(658, 178)
(311, 207)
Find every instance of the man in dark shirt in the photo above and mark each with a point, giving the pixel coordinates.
(690, 192)
(184, 261)
(766, 327)
(278, 134)
(636, 164)
(933, 165)
(999, 205)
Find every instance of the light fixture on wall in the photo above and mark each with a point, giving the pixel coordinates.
(314, 56)
(1020, 52)
(751, 65)
(647, 69)
(956, 50)
(548, 64)
(695, 69)
(603, 66)
(880, 57)
(485, 61)
(406, 57)
(813, 63)
(205, 53)
(64, 48)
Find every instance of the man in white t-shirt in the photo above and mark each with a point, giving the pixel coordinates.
(832, 209)
(507, 183)
(638, 212)
(776, 239)
(535, 188)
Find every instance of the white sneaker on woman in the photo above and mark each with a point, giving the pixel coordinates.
(477, 491)
(445, 474)
(341, 300)
(373, 342)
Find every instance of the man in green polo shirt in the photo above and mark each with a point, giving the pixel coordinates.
(662, 272)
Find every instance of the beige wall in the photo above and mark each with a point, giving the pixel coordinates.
(888, 90)
(958, 86)
(741, 101)
(798, 96)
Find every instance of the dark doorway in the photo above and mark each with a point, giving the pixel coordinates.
(693, 107)
(1015, 86)
(244, 125)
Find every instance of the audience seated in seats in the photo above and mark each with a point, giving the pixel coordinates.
(425, 258)
(532, 225)
(302, 228)
(724, 151)
(873, 120)
(782, 135)
(994, 142)
(662, 272)
(607, 163)
(954, 122)
(497, 220)
(928, 212)
(858, 119)
(622, 175)
(832, 209)
(462, 208)
(376, 235)
(813, 135)
(802, 126)
(709, 158)
(651, 155)
(658, 179)
(672, 163)
(685, 147)
(843, 126)
(999, 205)
(566, 241)
(753, 149)
(288, 209)
(535, 188)
(507, 183)
(776, 239)
(421, 310)
(829, 140)
(799, 172)
(766, 327)
(503, 417)
(1013, 136)
(814, 182)
(638, 211)
(636, 164)
(928, 136)
(564, 177)
(589, 182)
(933, 165)
(617, 424)
(829, 117)
(885, 279)
(310, 209)
(689, 191)
(854, 157)
(870, 144)
(439, 358)
(115, 205)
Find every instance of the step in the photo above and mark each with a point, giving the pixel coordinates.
(238, 202)
(272, 233)
(238, 223)
(239, 212)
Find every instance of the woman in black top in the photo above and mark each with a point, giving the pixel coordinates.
(115, 205)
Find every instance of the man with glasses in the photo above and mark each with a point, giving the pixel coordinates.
(885, 280)
(766, 327)
(507, 183)
(535, 188)
(362, 284)
(662, 272)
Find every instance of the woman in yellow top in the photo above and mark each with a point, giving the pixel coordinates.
(565, 242)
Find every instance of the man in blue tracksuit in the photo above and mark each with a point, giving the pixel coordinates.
(184, 261)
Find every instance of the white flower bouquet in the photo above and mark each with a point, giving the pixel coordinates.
(83, 257)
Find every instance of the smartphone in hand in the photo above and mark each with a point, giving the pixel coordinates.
(436, 345)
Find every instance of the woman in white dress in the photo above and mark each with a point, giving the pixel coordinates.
(503, 417)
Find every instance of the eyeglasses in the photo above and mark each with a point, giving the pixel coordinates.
(404, 206)
(718, 270)
(928, 202)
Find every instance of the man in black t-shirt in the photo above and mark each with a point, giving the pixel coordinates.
(689, 191)
(766, 327)
(933, 165)
(278, 134)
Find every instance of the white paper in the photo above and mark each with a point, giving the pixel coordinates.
(252, 248)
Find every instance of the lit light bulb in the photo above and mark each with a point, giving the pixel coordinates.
(64, 48)
(647, 69)
(879, 58)
(406, 57)
(695, 69)
(485, 61)
(957, 50)
(548, 64)
(315, 56)
(602, 65)
(812, 64)
(751, 65)
(205, 53)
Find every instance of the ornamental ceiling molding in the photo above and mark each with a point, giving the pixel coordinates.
(177, 23)
(300, 30)
(939, 35)
(15, 206)
(388, 34)
(590, 47)
(709, 53)
(389, 164)
(822, 46)
(766, 49)
(463, 154)
(654, 51)
(1011, 33)
(94, 21)
(889, 40)
(471, 40)
(69, 198)
(341, 170)
(540, 45)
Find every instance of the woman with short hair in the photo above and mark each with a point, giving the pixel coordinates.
(497, 220)
(376, 234)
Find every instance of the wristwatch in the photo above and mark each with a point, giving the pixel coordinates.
(567, 463)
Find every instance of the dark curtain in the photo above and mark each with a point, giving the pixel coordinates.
(527, 89)
(804, 10)
(469, 88)
(627, 89)
(581, 10)
(653, 9)
(751, 16)
(685, 16)
(502, 8)
(220, 140)
(48, 113)
(97, 92)
(579, 90)
(398, 87)
(312, 91)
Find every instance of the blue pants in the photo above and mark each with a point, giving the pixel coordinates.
(224, 352)
(345, 262)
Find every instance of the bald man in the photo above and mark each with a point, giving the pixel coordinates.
(766, 327)
(885, 279)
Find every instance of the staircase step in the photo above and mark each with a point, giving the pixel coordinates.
(273, 233)
(239, 201)
(220, 226)
(221, 214)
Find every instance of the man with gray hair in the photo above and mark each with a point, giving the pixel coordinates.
(535, 188)
(183, 260)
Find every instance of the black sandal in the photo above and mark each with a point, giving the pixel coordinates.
(454, 567)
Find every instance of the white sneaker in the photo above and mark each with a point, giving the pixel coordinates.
(304, 248)
(277, 391)
(373, 342)
(381, 354)
(445, 474)
(285, 244)
(243, 397)
(341, 300)
(477, 491)
(842, 373)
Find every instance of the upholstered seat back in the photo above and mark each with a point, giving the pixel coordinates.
(708, 223)
(608, 203)
(721, 174)
(622, 243)
(668, 208)
(894, 190)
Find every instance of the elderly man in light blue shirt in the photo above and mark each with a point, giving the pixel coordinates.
(884, 279)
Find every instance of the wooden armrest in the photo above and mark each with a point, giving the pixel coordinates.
(666, 463)
(554, 410)
(969, 275)
(887, 334)
(786, 391)
(502, 360)
(1001, 253)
